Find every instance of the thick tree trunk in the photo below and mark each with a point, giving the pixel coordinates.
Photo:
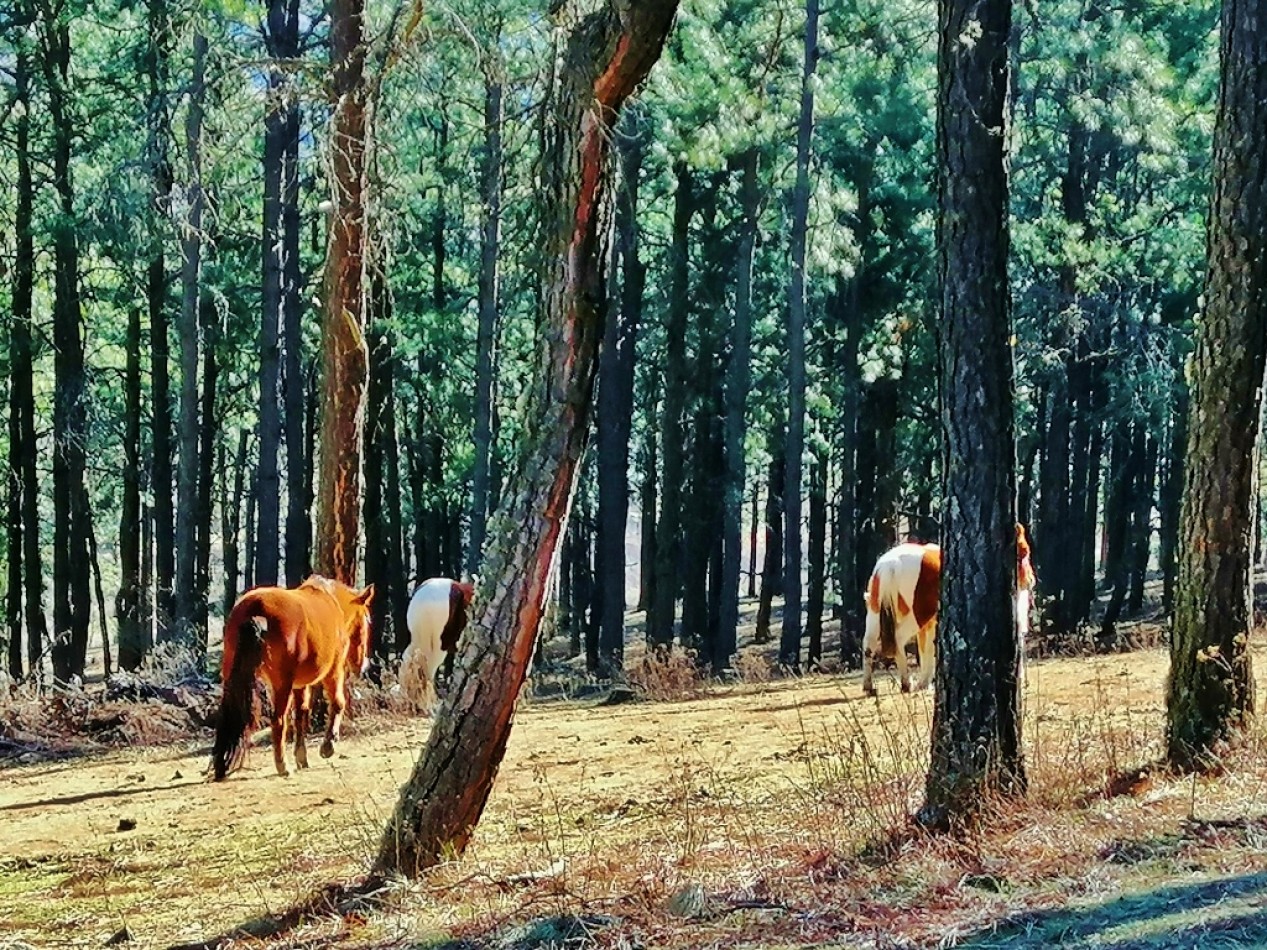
(608, 55)
(738, 381)
(489, 284)
(71, 603)
(649, 509)
(187, 334)
(976, 739)
(615, 410)
(816, 589)
(345, 362)
(1210, 694)
(663, 608)
(790, 640)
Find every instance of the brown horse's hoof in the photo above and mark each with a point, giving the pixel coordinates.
(906, 687)
(868, 691)
(327, 749)
(283, 773)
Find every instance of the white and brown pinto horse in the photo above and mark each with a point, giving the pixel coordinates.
(902, 606)
(436, 618)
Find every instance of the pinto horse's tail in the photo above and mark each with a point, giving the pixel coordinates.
(886, 594)
(237, 705)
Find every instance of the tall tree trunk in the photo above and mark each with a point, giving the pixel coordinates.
(753, 528)
(848, 568)
(133, 638)
(1141, 534)
(615, 408)
(485, 359)
(790, 639)
(161, 478)
(976, 739)
(738, 381)
(27, 583)
(379, 539)
(232, 520)
(286, 46)
(1171, 501)
(1210, 693)
(663, 609)
(187, 334)
(609, 53)
(71, 604)
(345, 362)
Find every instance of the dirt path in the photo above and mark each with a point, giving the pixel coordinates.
(215, 853)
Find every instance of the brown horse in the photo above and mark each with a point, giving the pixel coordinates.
(312, 634)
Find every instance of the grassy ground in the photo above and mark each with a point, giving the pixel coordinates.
(760, 815)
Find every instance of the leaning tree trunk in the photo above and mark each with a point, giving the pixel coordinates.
(1210, 694)
(976, 736)
(609, 54)
(790, 637)
(187, 334)
(485, 360)
(345, 360)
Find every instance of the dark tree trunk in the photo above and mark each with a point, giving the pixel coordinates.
(615, 409)
(849, 560)
(1052, 537)
(1141, 534)
(382, 527)
(71, 600)
(976, 740)
(489, 283)
(187, 334)
(205, 508)
(345, 362)
(648, 507)
(161, 478)
(772, 566)
(1210, 693)
(738, 381)
(248, 569)
(1171, 500)
(816, 589)
(663, 608)
(26, 571)
(133, 638)
(608, 55)
(285, 45)
(753, 528)
(790, 639)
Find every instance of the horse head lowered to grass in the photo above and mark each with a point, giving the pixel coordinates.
(313, 634)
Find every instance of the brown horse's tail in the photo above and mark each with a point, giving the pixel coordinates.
(237, 712)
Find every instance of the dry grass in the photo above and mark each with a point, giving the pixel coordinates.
(775, 812)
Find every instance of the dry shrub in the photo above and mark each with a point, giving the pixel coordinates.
(173, 664)
(753, 667)
(667, 675)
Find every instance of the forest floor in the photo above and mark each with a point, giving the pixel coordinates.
(762, 814)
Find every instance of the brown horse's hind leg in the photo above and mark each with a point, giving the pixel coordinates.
(281, 703)
(303, 711)
(338, 701)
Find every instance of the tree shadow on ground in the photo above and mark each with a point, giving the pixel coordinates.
(1227, 912)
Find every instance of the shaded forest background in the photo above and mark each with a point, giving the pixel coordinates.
(165, 168)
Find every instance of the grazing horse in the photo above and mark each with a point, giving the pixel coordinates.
(437, 616)
(313, 634)
(901, 604)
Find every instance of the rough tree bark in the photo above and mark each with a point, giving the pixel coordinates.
(609, 53)
(134, 640)
(976, 740)
(790, 637)
(345, 359)
(209, 319)
(1210, 693)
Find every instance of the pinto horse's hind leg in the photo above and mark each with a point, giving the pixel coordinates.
(303, 713)
(338, 701)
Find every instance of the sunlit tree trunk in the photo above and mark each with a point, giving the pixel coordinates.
(976, 739)
(345, 360)
(608, 55)
(1210, 693)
